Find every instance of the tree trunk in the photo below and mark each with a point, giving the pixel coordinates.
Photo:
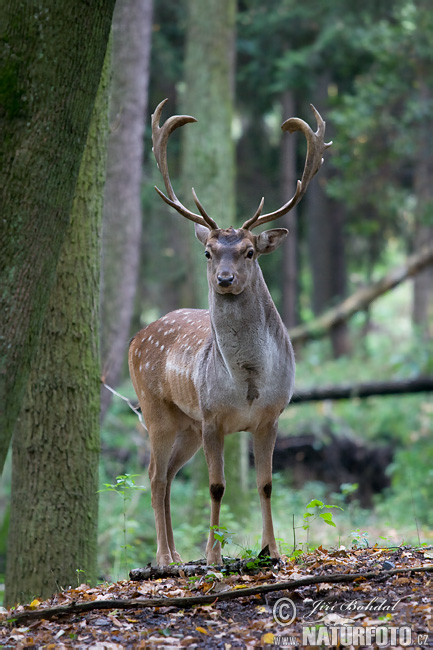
(208, 166)
(132, 26)
(54, 513)
(290, 312)
(423, 285)
(326, 248)
(208, 152)
(52, 56)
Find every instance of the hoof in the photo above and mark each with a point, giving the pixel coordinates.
(213, 558)
(163, 559)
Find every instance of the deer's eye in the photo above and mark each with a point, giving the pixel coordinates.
(207, 255)
(250, 254)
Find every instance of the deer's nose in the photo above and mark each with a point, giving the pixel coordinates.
(225, 278)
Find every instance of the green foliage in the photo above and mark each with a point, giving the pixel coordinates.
(310, 516)
(382, 122)
(359, 538)
(222, 535)
(124, 487)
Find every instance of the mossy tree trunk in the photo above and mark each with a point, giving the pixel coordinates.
(132, 27)
(53, 528)
(52, 55)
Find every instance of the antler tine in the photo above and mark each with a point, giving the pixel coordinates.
(160, 135)
(247, 225)
(206, 217)
(314, 160)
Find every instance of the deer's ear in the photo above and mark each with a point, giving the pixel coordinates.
(269, 240)
(202, 233)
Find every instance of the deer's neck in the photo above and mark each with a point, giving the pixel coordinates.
(245, 328)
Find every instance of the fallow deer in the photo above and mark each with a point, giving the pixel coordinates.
(202, 374)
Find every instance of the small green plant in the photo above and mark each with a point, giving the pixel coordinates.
(325, 516)
(347, 489)
(359, 538)
(78, 571)
(124, 487)
(222, 535)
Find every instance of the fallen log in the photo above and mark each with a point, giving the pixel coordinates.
(360, 300)
(363, 390)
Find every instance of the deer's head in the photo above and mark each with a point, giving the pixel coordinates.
(232, 253)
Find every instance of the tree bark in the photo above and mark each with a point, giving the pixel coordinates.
(54, 510)
(52, 56)
(132, 27)
(362, 298)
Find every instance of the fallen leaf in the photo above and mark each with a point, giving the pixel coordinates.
(202, 630)
(268, 638)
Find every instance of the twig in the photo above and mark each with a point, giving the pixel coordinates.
(190, 601)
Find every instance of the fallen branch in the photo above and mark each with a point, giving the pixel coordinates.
(367, 389)
(363, 297)
(189, 601)
(200, 568)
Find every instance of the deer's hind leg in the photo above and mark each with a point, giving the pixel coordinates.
(162, 427)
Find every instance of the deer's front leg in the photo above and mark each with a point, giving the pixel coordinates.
(213, 446)
(264, 443)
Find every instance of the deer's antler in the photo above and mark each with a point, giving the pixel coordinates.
(160, 135)
(314, 160)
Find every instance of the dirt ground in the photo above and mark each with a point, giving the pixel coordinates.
(387, 610)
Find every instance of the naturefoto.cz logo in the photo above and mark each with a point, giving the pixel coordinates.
(381, 636)
(342, 631)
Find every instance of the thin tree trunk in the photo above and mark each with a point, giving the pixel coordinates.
(132, 27)
(52, 56)
(423, 285)
(326, 248)
(54, 511)
(290, 312)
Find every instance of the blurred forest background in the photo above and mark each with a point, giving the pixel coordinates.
(242, 69)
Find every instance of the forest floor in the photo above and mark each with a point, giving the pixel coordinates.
(358, 594)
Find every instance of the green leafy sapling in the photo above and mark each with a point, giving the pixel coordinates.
(124, 487)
